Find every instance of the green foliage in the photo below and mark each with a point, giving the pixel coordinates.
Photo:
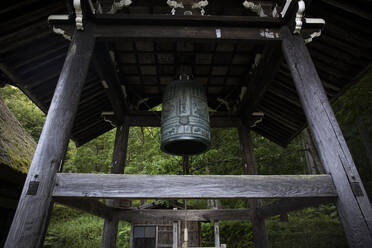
(353, 112)
(27, 113)
(237, 234)
(93, 157)
(313, 227)
(72, 228)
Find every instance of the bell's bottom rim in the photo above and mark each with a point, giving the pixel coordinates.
(205, 142)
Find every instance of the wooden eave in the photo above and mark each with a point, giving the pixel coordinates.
(32, 57)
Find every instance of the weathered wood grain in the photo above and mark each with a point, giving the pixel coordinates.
(30, 221)
(110, 230)
(263, 75)
(353, 204)
(175, 234)
(91, 206)
(216, 228)
(188, 215)
(110, 227)
(152, 119)
(260, 237)
(262, 29)
(285, 205)
(107, 72)
(192, 187)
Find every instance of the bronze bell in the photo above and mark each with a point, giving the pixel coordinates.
(185, 119)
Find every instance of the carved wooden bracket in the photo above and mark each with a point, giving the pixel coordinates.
(79, 15)
(299, 16)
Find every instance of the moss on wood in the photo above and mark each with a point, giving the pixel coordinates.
(16, 145)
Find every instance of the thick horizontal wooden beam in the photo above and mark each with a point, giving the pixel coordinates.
(186, 32)
(184, 215)
(249, 28)
(193, 20)
(192, 187)
(286, 205)
(91, 206)
(198, 32)
(152, 119)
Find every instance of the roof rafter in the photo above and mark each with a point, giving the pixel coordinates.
(110, 80)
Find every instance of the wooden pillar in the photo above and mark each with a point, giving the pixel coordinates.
(31, 218)
(216, 234)
(314, 166)
(353, 204)
(260, 237)
(186, 165)
(175, 235)
(110, 227)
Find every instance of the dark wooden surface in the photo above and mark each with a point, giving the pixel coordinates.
(92, 206)
(353, 204)
(283, 206)
(33, 55)
(108, 73)
(152, 119)
(188, 215)
(263, 75)
(110, 231)
(30, 221)
(260, 237)
(110, 228)
(192, 187)
(192, 20)
(183, 31)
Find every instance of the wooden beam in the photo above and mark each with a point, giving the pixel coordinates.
(154, 215)
(110, 227)
(91, 206)
(152, 119)
(353, 205)
(254, 29)
(186, 32)
(114, 31)
(351, 8)
(120, 150)
(194, 20)
(260, 237)
(110, 80)
(286, 205)
(263, 75)
(30, 220)
(192, 187)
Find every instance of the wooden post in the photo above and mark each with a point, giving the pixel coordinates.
(216, 234)
(313, 163)
(175, 235)
(353, 204)
(185, 165)
(131, 236)
(260, 237)
(110, 227)
(30, 221)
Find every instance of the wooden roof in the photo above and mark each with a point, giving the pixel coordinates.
(16, 145)
(32, 57)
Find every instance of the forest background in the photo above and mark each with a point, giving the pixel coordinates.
(311, 227)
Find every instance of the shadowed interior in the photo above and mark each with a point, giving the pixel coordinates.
(185, 147)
